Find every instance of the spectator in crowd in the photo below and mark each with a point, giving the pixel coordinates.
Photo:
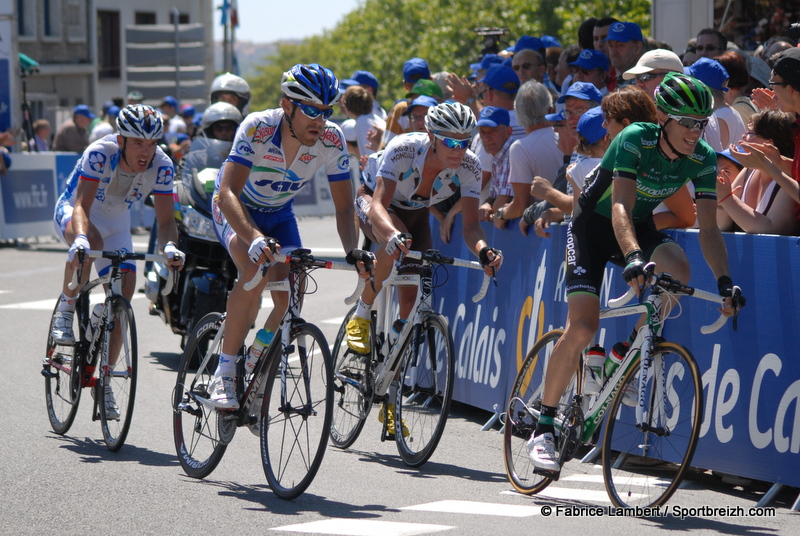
(42, 132)
(368, 81)
(534, 157)
(753, 201)
(710, 43)
(773, 47)
(479, 69)
(725, 125)
(73, 134)
(737, 96)
(592, 143)
(600, 33)
(651, 68)
(107, 125)
(592, 66)
(495, 132)
(625, 47)
(175, 123)
(416, 112)
(564, 71)
(586, 34)
(134, 97)
(358, 102)
(531, 63)
(689, 55)
(187, 113)
(422, 87)
(414, 70)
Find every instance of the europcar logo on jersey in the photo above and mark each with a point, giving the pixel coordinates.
(261, 133)
(97, 161)
(243, 147)
(306, 158)
(330, 138)
(631, 148)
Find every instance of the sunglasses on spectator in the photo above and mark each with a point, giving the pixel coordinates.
(311, 112)
(646, 77)
(773, 83)
(453, 143)
(689, 122)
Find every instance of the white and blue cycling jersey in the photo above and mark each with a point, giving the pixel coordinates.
(272, 183)
(402, 162)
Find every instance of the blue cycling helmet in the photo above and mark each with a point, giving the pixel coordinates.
(140, 121)
(312, 83)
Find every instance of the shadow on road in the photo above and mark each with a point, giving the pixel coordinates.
(95, 451)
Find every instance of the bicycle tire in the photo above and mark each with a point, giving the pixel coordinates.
(426, 390)
(295, 427)
(62, 396)
(520, 423)
(352, 388)
(197, 427)
(634, 477)
(119, 377)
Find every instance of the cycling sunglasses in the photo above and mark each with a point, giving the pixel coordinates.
(689, 122)
(312, 112)
(453, 143)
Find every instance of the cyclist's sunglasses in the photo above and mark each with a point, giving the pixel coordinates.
(689, 122)
(453, 143)
(312, 112)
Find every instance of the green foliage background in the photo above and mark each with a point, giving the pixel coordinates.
(380, 35)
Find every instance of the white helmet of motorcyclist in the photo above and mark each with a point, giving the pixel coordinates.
(221, 114)
(230, 84)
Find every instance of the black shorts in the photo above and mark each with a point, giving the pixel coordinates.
(416, 221)
(591, 244)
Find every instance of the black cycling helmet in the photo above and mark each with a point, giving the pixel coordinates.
(681, 94)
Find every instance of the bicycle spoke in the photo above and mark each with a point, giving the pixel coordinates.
(352, 392)
(117, 374)
(61, 399)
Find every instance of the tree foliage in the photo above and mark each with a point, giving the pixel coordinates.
(380, 35)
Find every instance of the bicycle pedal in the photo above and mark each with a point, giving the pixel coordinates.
(47, 373)
(553, 475)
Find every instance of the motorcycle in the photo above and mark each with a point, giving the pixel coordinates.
(209, 273)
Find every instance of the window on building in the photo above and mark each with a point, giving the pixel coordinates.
(26, 21)
(51, 18)
(183, 18)
(145, 17)
(76, 21)
(108, 44)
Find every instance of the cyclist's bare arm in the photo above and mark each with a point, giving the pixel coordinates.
(712, 244)
(84, 197)
(234, 178)
(167, 230)
(379, 219)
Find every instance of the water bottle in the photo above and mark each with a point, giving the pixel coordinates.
(615, 358)
(94, 321)
(394, 333)
(263, 339)
(593, 370)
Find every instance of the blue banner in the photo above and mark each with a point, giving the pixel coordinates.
(28, 196)
(751, 377)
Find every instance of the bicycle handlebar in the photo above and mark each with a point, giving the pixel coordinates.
(121, 256)
(304, 258)
(434, 257)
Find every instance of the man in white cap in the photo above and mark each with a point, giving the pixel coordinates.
(651, 68)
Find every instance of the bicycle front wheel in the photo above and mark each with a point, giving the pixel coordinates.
(297, 410)
(352, 398)
(201, 432)
(61, 393)
(644, 463)
(116, 383)
(425, 391)
(520, 422)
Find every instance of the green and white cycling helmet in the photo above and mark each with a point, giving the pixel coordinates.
(681, 94)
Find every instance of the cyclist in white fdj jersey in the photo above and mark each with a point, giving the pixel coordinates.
(93, 212)
(415, 171)
(645, 164)
(274, 154)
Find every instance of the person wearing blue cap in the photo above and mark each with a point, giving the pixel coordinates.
(530, 61)
(495, 133)
(592, 143)
(625, 46)
(482, 66)
(417, 111)
(368, 81)
(107, 124)
(414, 70)
(73, 134)
(580, 97)
(726, 125)
(592, 66)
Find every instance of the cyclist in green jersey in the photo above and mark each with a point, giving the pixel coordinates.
(645, 164)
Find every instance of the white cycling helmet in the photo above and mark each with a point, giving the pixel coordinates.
(140, 121)
(450, 117)
(220, 111)
(230, 83)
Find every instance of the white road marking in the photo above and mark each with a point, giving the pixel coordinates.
(48, 304)
(363, 527)
(479, 508)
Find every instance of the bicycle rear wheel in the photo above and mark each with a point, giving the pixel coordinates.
(297, 411)
(117, 374)
(62, 395)
(520, 422)
(201, 432)
(352, 392)
(643, 465)
(425, 391)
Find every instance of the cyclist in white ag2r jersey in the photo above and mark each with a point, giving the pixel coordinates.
(274, 154)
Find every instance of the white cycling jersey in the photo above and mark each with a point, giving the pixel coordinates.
(402, 162)
(272, 184)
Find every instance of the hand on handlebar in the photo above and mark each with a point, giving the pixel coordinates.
(364, 261)
(262, 248)
(80, 242)
(398, 245)
(634, 272)
(491, 259)
(175, 256)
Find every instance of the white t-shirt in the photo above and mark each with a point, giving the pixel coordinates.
(365, 123)
(535, 154)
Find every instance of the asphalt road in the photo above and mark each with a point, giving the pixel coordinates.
(71, 484)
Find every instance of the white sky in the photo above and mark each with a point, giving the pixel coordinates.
(264, 21)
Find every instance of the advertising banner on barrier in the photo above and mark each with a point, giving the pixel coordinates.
(751, 377)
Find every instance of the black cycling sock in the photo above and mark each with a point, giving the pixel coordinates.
(546, 422)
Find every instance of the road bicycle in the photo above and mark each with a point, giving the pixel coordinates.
(103, 356)
(415, 373)
(287, 401)
(651, 406)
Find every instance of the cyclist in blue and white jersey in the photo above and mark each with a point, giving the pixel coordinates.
(93, 212)
(274, 154)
